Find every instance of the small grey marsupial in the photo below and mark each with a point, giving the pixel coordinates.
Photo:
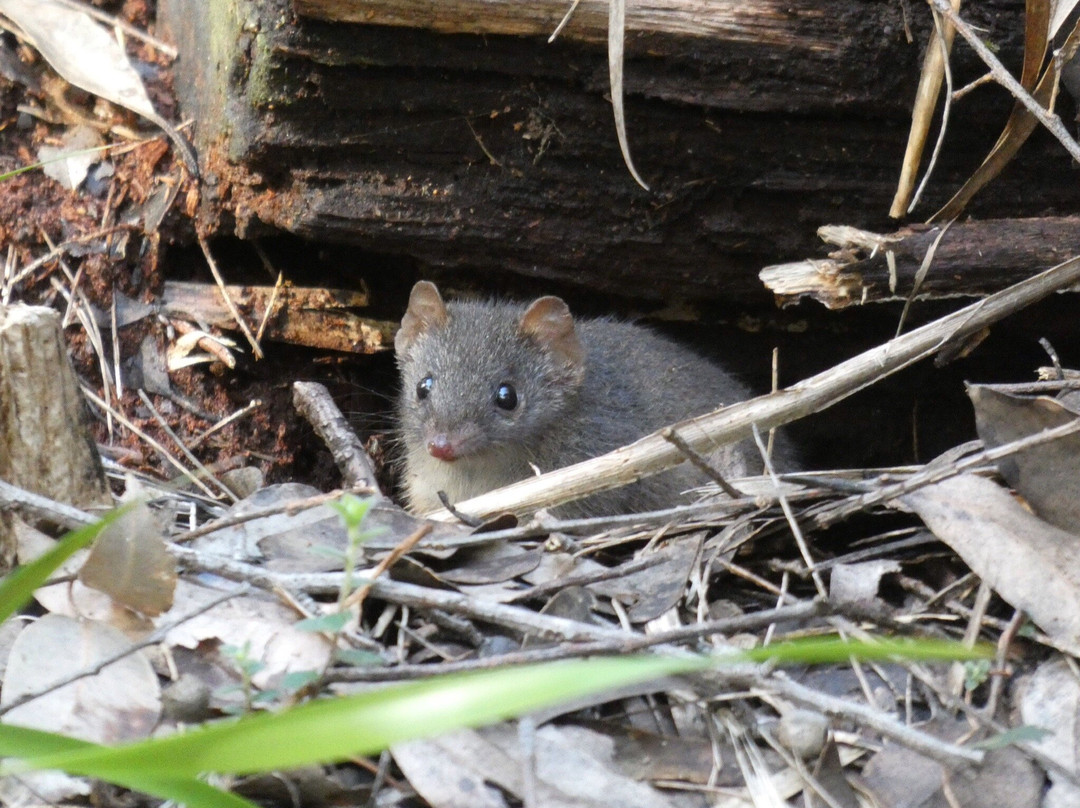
(491, 391)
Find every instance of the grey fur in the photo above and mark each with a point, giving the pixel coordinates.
(634, 381)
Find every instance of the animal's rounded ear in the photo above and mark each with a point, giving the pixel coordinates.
(426, 310)
(548, 323)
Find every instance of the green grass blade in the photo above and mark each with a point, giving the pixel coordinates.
(333, 729)
(24, 742)
(186, 791)
(825, 650)
(61, 156)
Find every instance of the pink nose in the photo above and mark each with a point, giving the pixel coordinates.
(442, 447)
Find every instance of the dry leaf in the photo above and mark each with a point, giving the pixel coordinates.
(1020, 124)
(71, 599)
(121, 703)
(69, 164)
(129, 562)
(493, 563)
(1062, 10)
(650, 592)
(858, 583)
(456, 769)
(898, 776)
(1030, 563)
(1049, 699)
(81, 51)
(86, 55)
(260, 623)
(1047, 476)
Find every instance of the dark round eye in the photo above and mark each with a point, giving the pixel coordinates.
(506, 397)
(423, 387)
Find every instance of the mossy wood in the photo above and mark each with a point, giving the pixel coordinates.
(454, 135)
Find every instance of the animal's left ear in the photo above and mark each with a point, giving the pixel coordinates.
(548, 323)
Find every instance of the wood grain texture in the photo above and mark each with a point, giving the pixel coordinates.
(488, 152)
(45, 447)
(971, 259)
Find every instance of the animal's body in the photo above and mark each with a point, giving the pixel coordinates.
(493, 391)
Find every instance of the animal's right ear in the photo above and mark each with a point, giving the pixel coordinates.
(426, 310)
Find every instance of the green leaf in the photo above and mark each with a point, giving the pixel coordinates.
(352, 509)
(291, 682)
(358, 658)
(334, 729)
(18, 587)
(26, 742)
(823, 650)
(332, 623)
(1022, 734)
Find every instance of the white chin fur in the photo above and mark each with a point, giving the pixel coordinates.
(462, 479)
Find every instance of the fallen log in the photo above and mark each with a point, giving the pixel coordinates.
(453, 136)
(969, 259)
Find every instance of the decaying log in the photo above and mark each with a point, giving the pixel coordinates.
(702, 21)
(316, 318)
(45, 447)
(454, 136)
(970, 259)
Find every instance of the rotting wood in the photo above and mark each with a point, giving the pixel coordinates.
(973, 258)
(317, 318)
(496, 153)
(45, 447)
(653, 454)
(759, 22)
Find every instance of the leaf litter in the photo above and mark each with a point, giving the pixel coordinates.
(904, 551)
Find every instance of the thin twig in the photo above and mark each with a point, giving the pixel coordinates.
(793, 523)
(807, 610)
(207, 474)
(945, 41)
(934, 474)
(292, 507)
(1003, 77)
(314, 402)
(161, 450)
(562, 23)
(920, 275)
(253, 405)
(67, 516)
(948, 753)
(356, 599)
(240, 321)
(700, 463)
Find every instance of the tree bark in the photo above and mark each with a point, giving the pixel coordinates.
(452, 135)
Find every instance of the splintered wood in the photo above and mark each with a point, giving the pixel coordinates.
(317, 318)
(970, 260)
